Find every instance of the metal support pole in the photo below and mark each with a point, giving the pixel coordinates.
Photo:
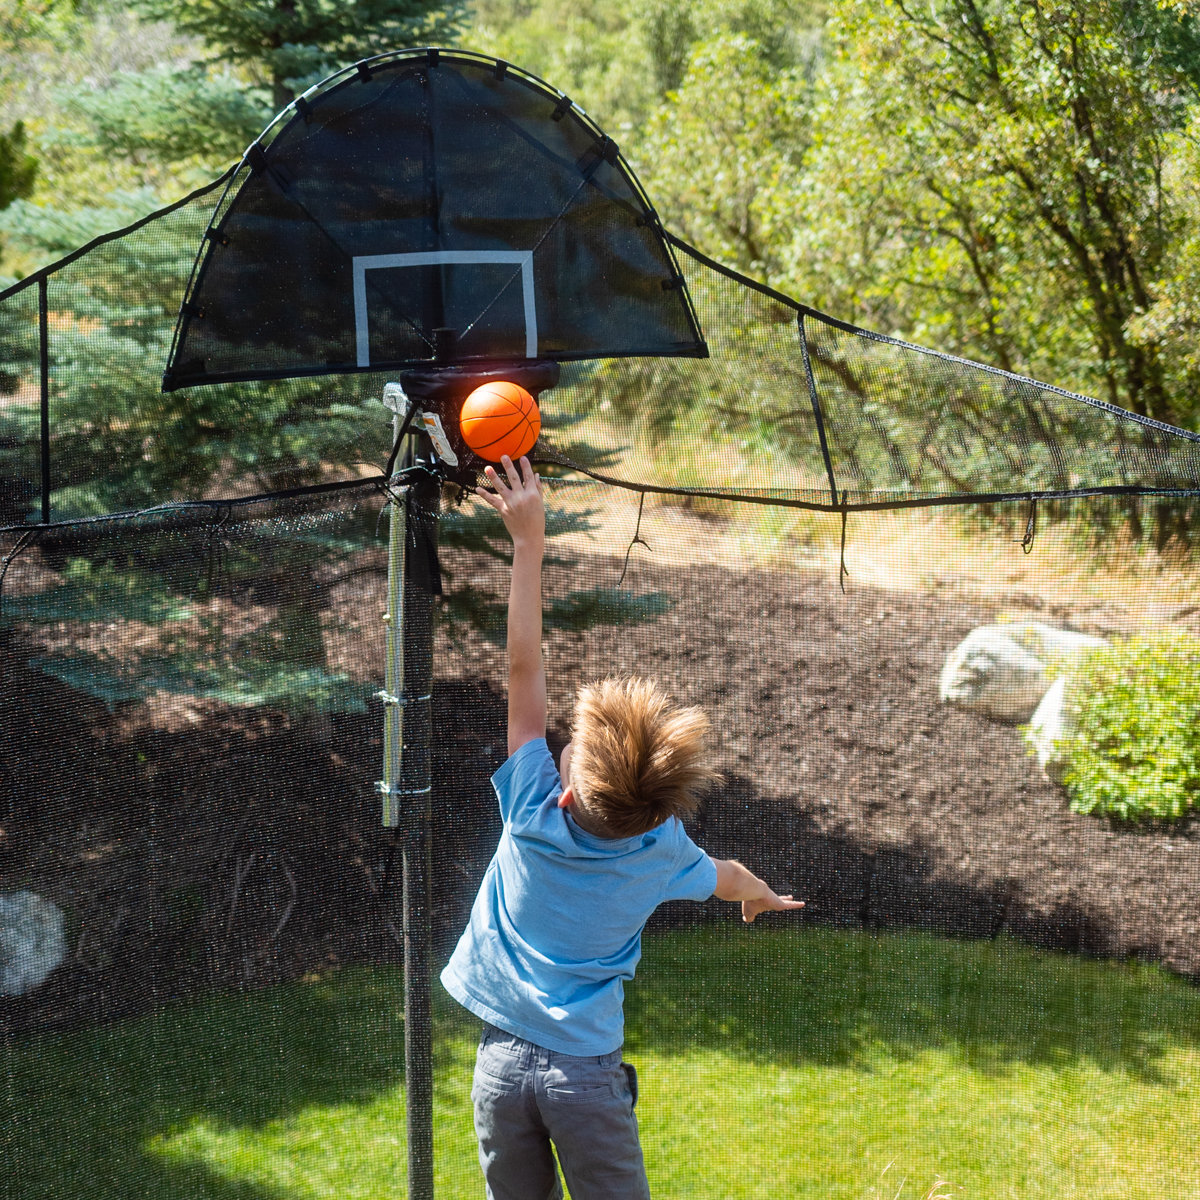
(44, 374)
(416, 776)
(407, 785)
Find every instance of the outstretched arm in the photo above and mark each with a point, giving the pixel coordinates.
(735, 882)
(518, 500)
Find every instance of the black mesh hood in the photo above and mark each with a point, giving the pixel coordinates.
(429, 191)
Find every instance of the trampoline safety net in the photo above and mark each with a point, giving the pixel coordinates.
(867, 561)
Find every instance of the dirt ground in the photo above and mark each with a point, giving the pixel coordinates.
(193, 845)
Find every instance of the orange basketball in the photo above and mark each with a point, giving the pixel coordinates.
(500, 418)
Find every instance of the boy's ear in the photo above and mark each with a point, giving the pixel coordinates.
(567, 798)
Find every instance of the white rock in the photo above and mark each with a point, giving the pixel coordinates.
(32, 941)
(1049, 727)
(1003, 671)
(1057, 644)
(991, 672)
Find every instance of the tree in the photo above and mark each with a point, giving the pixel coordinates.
(723, 153)
(179, 121)
(18, 169)
(995, 179)
(963, 143)
(620, 59)
(290, 44)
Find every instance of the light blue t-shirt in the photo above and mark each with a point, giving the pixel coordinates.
(556, 928)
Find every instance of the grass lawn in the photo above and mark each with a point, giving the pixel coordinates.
(774, 1063)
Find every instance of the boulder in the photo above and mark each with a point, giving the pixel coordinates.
(1049, 727)
(32, 941)
(1003, 671)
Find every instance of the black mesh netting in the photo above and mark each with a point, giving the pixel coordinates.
(421, 193)
(202, 926)
(190, 745)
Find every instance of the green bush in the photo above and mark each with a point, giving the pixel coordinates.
(1134, 752)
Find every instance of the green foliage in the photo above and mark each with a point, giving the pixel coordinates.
(961, 144)
(619, 59)
(583, 610)
(244, 628)
(53, 55)
(589, 49)
(18, 326)
(111, 329)
(169, 114)
(290, 46)
(1135, 750)
(18, 168)
(723, 152)
(91, 592)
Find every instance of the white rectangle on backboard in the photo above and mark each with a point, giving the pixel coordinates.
(363, 263)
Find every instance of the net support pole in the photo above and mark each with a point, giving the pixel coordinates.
(406, 790)
(416, 818)
(44, 391)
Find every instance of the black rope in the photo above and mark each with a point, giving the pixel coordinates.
(637, 539)
(216, 573)
(1026, 543)
(792, 500)
(22, 542)
(843, 574)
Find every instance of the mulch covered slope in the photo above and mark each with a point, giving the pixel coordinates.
(195, 845)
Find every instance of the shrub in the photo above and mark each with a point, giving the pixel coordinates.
(1134, 752)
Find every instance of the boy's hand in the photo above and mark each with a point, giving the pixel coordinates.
(518, 500)
(736, 883)
(768, 903)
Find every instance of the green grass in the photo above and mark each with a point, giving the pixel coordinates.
(773, 1063)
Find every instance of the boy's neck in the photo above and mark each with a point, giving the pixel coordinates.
(588, 823)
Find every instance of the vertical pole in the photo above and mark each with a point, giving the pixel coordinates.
(44, 364)
(393, 693)
(407, 783)
(416, 777)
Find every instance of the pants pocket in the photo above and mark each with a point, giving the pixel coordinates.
(497, 1072)
(583, 1081)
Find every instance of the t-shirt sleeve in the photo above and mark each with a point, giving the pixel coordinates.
(526, 781)
(695, 876)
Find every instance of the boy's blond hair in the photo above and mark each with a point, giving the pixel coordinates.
(638, 758)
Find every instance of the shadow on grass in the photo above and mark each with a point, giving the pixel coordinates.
(851, 998)
(82, 1111)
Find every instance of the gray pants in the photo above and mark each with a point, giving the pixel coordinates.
(527, 1097)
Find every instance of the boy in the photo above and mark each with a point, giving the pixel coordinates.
(587, 853)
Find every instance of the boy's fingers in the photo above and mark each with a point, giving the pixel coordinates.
(503, 491)
(514, 480)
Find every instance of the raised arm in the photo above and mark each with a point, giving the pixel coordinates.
(518, 499)
(735, 882)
